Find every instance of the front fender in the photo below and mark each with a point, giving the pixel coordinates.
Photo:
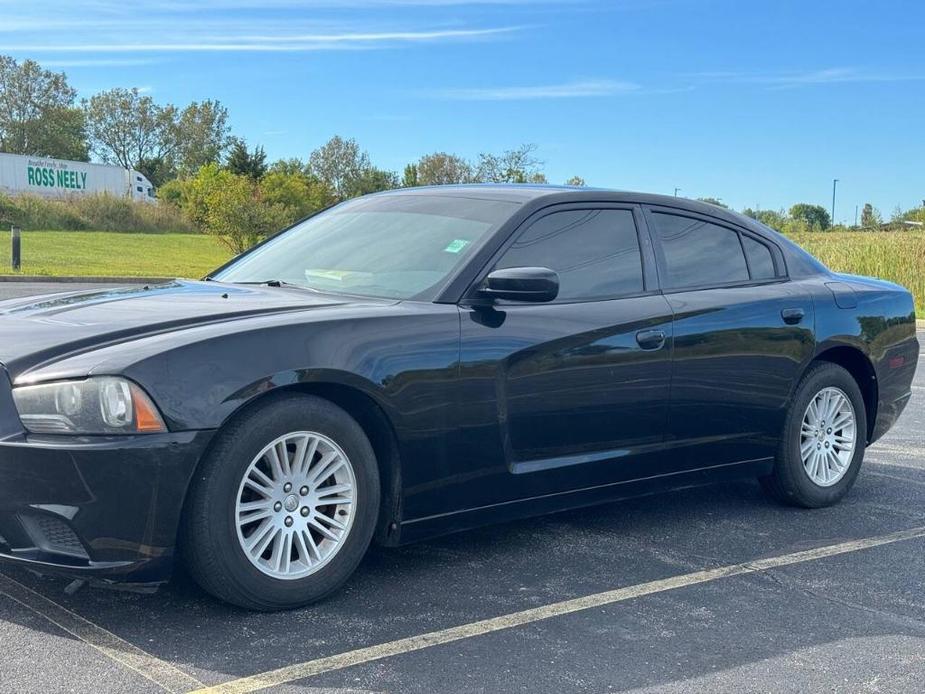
(403, 356)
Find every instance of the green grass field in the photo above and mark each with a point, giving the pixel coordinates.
(896, 256)
(113, 254)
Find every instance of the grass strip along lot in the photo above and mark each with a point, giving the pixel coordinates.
(114, 254)
(895, 256)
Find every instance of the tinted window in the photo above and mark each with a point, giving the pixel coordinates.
(595, 253)
(760, 261)
(699, 253)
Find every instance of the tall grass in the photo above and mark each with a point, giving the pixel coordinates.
(101, 212)
(898, 256)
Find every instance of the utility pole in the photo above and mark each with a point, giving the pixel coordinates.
(834, 183)
(676, 191)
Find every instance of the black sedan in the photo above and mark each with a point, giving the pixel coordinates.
(425, 361)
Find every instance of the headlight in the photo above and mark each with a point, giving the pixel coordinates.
(103, 405)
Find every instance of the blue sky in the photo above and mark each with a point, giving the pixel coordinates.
(757, 103)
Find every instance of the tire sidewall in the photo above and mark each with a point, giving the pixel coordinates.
(807, 492)
(230, 460)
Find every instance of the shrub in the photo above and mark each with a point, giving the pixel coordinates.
(238, 215)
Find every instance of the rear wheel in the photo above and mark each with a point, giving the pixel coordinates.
(822, 446)
(284, 506)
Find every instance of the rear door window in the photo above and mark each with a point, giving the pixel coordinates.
(698, 253)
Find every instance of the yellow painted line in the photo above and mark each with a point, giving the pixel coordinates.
(160, 672)
(361, 656)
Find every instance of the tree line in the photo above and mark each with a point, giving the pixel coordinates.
(227, 188)
(190, 155)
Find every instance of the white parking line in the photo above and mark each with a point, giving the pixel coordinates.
(360, 656)
(161, 673)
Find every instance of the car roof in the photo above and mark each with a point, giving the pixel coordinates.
(527, 192)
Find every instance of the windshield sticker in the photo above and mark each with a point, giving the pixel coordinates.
(456, 245)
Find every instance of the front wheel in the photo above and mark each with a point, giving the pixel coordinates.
(283, 507)
(823, 442)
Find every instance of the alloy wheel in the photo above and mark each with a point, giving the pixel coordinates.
(295, 505)
(828, 436)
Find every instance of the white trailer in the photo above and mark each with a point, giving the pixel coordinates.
(53, 178)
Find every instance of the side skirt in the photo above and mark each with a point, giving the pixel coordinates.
(417, 529)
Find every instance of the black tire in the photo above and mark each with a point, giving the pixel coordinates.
(208, 536)
(789, 483)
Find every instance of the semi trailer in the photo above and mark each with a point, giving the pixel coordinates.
(54, 178)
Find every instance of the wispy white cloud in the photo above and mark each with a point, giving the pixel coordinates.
(568, 90)
(269, 43)
(807, 78)
(183, 5)
(99, 62)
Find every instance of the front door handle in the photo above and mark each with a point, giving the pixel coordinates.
(650, 339)
(792, 316)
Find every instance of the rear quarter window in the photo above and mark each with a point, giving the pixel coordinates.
(760, 260)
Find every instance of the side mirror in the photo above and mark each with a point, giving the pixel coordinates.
(534, 284)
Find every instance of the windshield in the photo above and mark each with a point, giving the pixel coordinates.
(395, 246)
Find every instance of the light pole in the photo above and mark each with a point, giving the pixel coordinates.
(676, 191)
(834, 183)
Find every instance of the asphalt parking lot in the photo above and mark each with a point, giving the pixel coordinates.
(711, 589)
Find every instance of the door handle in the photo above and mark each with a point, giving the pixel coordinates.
(650, 339)
(792, 316)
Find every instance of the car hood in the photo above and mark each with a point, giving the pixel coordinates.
(36, 329)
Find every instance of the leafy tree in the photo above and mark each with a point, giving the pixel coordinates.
(440, 168)
(341, 164)
(814, 216)
(870, 217)
(245, 163)
(410, 178)
(61, 133)
(299, 194)
(714, 201)
(512, 166)
(37, 113)
(202, 129)
(128, 128)
(239, 216)
(291, 167)
(770, 218)
(157, 169)
(576, 181)
(372, 180)
(193, 194)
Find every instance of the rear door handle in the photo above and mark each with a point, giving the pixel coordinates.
(792, 316)
(650, 339)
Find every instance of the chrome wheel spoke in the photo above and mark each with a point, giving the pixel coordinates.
(827, 436)
(333, 522)
(288, 524)
(322, 529)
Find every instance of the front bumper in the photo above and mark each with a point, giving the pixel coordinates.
(103, 508)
